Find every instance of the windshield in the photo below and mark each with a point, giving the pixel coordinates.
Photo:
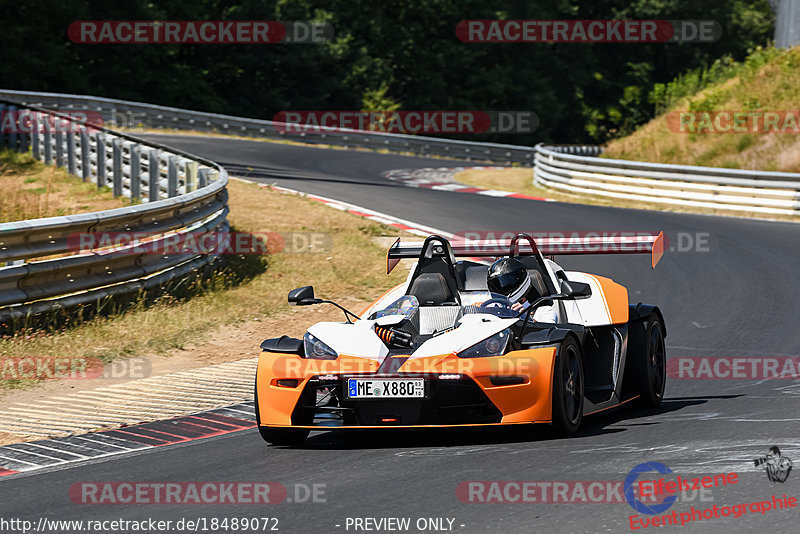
(405, 306)
(472, 302)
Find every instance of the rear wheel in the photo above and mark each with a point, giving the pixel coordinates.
(650, 361)
(292, 437)
(568, 388)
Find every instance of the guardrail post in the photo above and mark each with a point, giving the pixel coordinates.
(155, 175)
(59, 148)
(101, 161)
(24, 141)
(117, 167)
(48, 145)
(202, 178)
(172, 177)
(72, 165)
(191, 176)
(2, 121)
(86, 162)
(12, 135)
(36, 146)
(24, 135)
(136, 171)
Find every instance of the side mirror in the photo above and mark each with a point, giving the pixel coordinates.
(302, 296)
(575, 290)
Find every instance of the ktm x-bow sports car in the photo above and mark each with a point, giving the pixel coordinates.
(440, 350)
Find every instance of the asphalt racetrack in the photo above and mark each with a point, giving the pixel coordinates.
(732, 295)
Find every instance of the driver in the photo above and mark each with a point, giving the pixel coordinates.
(509, 277)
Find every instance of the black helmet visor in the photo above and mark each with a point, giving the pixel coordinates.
(505, 283)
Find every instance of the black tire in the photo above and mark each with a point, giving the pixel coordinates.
(292, 437)
(568, 388)
(650, 361)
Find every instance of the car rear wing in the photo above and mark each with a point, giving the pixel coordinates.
(525, 245)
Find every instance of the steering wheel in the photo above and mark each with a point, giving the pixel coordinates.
(485, 304)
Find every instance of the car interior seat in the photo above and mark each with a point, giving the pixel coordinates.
(431, 289)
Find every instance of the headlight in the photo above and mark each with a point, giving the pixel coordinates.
(317, 350)
(493, 346)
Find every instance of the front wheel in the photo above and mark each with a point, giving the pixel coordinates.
(292, 437)
(568, 388)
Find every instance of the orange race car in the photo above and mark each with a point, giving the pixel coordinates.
(441, 350)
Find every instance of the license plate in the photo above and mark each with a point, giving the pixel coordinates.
(371, 388)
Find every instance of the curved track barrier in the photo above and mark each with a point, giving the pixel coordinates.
(151, 116)
(575, 170)
(173, 193)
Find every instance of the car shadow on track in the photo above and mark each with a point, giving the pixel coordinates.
(595, 425)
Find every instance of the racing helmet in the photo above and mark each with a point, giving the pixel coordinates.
(509, 277)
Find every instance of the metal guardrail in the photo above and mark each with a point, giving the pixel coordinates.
(568, 168)
(175, 193)
(575, 170)
(152, 116)
(787, 22)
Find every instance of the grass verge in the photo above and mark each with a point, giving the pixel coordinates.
(32, 190)
(768, 80)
